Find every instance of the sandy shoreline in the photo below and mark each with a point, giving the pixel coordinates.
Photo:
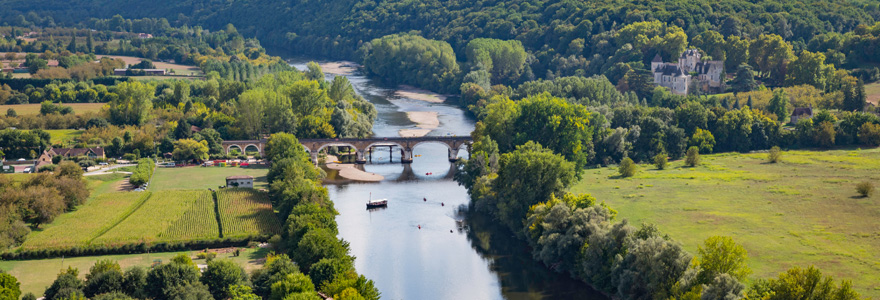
(349, 171)
(405, 91)
(339, 67)
(425, 121)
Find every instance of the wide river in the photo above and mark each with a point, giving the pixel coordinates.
(417, 248)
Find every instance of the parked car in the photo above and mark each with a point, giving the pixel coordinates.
(103, 164)
(28, 169)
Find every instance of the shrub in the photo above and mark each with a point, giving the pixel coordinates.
(869, 134)
(129, 157)
(46, 168)
(865, 188)
(627, 167)
(774, 155)
(693, 157)
(11, 113)
(660, 161)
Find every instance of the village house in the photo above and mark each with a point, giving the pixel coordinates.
(801, 112)
(240, 181)
(91, 153)
(677, 76)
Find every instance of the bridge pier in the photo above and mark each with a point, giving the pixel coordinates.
(453, 155)
(406, 155)
(314, 155)
(360, 158)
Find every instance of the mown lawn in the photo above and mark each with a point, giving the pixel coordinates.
(34, 108)
(36, 275)
(800, 212)
(203, 177)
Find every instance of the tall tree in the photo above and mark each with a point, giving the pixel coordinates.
(72, 46)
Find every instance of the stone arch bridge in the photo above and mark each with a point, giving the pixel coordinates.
(361, 146)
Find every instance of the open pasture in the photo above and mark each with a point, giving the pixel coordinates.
(799, 212)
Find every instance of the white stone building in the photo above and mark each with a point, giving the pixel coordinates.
(677, 76)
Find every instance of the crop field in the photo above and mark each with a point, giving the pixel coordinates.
(189, 178)
(34, 108)
(162, 212)
(802, 211)
(246, 212)
(197, 223)
(86, 223)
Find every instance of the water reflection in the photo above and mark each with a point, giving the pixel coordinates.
(425, 244)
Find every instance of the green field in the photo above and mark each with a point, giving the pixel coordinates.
(167, 216)
(65, 136)
(192, 178)
(800, 212)
(34, 108)
(88, 222)
(244, 212)
(36, 275)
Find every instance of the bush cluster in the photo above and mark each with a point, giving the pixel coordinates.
(143, 172)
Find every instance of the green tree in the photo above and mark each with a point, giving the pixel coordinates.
(90, 43)
(293, 284)
(744, 80)
(798, 283)
(65, 284)
(774, 155)
(133, 105)
(702, 139)
(284, 145)
(807, 68)
(221, 275)
(660, 161)
(527, 176)
(162, 280)
(183, 129)
(627, 167)
(189, 149)
(242, 292)
(314, 72)
(10, 289)
(692, 158)
(11, 113)
(72, 46)
(769, 54)
(869, 134)
(779, 105)
(721, 255)
(504, 60)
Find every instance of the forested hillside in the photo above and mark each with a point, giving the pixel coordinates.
(338, 27)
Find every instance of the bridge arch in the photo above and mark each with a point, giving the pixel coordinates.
(229, 149)
(249, 146)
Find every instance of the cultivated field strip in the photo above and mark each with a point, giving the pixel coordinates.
(197, 223)
(246, 212)
(157, 215)
(88, 221)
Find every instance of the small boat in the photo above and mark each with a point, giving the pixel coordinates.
(376, 203)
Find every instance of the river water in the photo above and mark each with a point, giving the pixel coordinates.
(424, 245)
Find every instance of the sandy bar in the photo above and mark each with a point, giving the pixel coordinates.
(339, 68)
(424, 119)
(413, 132)
(405, 91)
(348, 171)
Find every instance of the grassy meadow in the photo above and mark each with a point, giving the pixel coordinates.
(203, 177)
(799, 212)
(36, 275)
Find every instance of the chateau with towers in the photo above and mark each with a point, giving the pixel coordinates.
(677, 76)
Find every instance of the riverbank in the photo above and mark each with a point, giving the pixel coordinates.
(426, 121)
(351, 172)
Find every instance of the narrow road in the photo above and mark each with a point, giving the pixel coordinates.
(107, 170)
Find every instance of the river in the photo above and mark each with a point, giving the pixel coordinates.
(417, 248)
